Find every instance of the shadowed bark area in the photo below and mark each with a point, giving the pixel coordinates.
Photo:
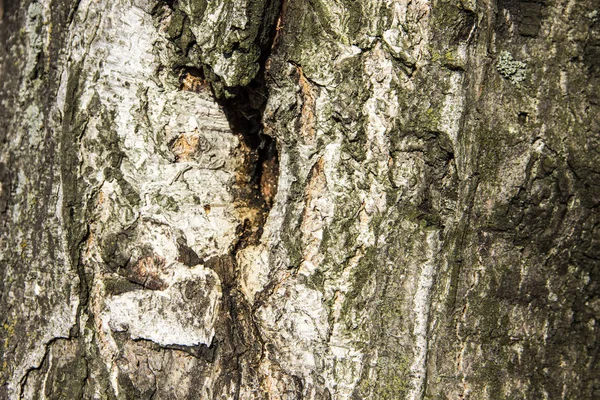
(299, 200)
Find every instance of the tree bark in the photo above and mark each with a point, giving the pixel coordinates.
(300, 199)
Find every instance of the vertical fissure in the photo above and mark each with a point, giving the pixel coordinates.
(238, 345)
(254, 193)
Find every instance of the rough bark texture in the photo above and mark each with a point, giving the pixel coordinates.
(324, 199)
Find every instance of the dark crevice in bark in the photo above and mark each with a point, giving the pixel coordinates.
(43, 362)
(237, 347)
(202, 351)
(256, 188)
(73, 215)
(244, 112)
(456, 246)
(237, 343)
(243, 106)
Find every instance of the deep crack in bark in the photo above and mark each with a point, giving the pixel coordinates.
(237, 340)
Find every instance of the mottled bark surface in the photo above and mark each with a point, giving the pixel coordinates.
(300, 200)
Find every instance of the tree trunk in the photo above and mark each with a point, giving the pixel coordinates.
(211, 199)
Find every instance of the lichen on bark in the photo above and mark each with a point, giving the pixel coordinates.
(302, 200)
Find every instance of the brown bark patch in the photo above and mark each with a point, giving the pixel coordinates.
(185, 146)
(146, 271)
(307, 113)
(192, 80)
